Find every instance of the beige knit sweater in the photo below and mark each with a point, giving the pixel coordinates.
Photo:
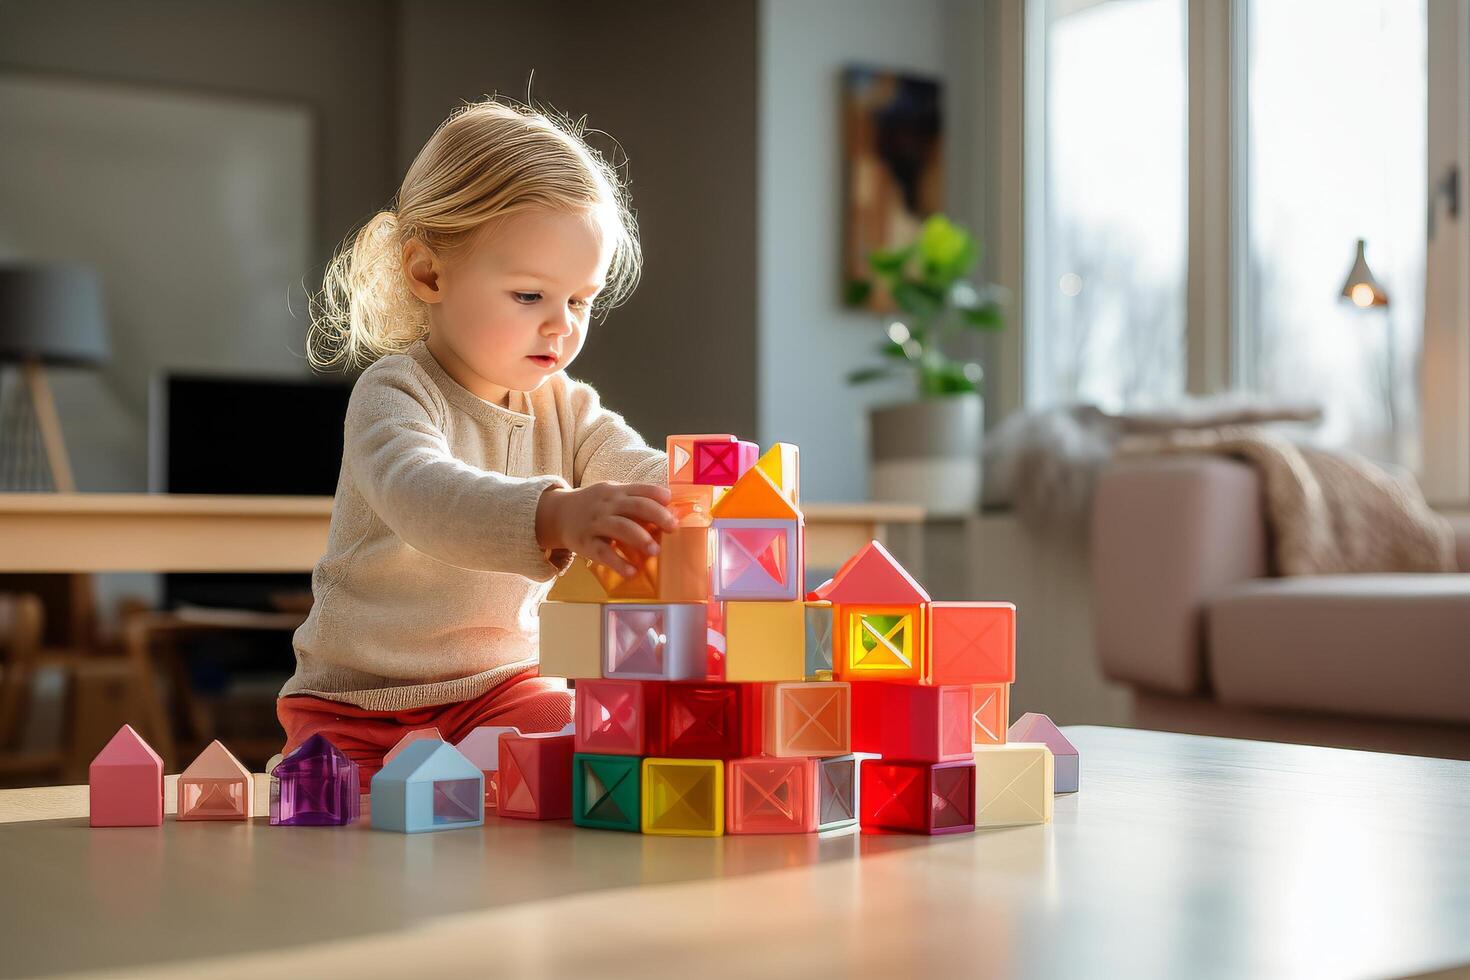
(429, 589)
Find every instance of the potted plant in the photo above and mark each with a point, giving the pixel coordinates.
(927, 451)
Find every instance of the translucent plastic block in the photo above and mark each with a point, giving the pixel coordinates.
(655, 642)
(709, 721)
(837, 792)
(1036, 727)
(571, 639)
(807, 719)
(315, 786)
(684, 797)
(782, 464)
(429, 786)
(482, 747)
(818, 644)
(990, 713)
(616, 717)
(216, 787)
(678, 573)
(765, 641)
(972, 643)
(755, 496)
(125, 783)
(606, 792)
(535, 776)
(771, 796)
(681, 454)
(756, 559)
(1016, 784)
(917, 797)
(872, 577)
(719, 463)
(913, 722)
(884, 643)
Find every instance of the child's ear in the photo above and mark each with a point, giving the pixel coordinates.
(422, 269)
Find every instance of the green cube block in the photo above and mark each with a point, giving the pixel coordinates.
(605, 791)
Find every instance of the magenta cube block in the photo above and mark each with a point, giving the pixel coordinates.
(719, 463)
(315, 786)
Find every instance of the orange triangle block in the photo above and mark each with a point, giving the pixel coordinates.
(577, 584)
(782, 464)
(872, 577)
(755, 496)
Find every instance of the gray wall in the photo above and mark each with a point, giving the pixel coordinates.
(674, 83)
(808, 340)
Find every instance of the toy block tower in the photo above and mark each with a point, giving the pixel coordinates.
(714, 695)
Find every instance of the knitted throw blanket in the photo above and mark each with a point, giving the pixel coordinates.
(1327, 512)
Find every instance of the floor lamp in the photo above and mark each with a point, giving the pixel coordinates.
(50, 315)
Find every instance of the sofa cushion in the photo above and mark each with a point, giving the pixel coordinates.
(1387, 646)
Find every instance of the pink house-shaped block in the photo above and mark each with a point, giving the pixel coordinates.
(216, 786)
(125, 783)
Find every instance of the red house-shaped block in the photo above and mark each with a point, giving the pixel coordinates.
(879, 628)
(125, 783)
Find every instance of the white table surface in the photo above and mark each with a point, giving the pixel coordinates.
(1182, 856)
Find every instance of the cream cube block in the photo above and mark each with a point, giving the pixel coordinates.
(571, 639)
(1014, 784)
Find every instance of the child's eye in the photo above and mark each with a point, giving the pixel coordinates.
(521, 297)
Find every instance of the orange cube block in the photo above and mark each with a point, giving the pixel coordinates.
(972, 643)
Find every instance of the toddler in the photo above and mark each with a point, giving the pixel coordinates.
(473, 466)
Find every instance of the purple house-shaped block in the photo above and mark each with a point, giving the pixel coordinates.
(314, 786)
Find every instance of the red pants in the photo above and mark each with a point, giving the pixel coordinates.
(528, 701)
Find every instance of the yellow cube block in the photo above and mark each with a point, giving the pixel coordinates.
(571, 639)
(1013, 784)
(684, 797)
(765, 641)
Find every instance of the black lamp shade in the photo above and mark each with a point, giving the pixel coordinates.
(51, 313)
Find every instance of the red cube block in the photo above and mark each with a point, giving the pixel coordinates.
(536, 776)
(907, 721)
(972, 643)
(619, 717)
(917, 797)
(709, 721)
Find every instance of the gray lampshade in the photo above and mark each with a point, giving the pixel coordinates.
(52, 313)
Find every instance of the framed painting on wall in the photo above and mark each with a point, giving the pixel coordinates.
(893, 163)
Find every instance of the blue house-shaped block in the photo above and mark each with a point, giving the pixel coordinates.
(428, 786)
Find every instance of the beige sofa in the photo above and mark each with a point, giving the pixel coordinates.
(1187, 618)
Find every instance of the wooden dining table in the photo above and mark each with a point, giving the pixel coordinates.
(159, 532)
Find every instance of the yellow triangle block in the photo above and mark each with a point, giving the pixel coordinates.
(577, 584)
(782, 464)
(754, 495)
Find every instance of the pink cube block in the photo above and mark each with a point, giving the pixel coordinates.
(125, 783)
(536, 776)
(719, 463)
(770, 796)
(972, 643)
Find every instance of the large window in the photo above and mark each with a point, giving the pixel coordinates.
(1107, 246)
(1335, 147)
(1310, 120)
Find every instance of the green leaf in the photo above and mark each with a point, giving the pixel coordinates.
(985, 317)
(889, 262)
(946, 250)
(889, 349)
(917, 298)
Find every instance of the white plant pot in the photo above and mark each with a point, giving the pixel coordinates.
(927, 452)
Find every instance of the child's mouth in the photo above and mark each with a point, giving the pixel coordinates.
(545, 360)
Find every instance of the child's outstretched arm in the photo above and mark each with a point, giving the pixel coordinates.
(608, 448)
(400, 461)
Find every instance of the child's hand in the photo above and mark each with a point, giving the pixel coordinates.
(590, 519)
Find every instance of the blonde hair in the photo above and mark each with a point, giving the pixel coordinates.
(488, 160)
